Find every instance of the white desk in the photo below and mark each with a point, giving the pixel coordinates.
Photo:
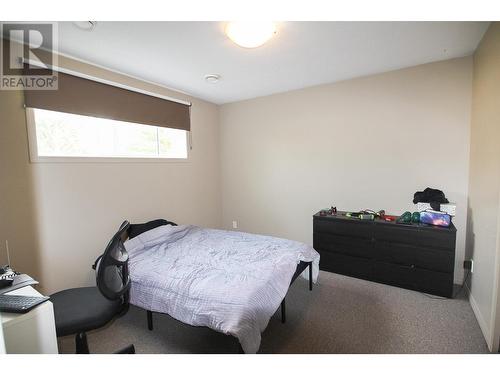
(32, 332)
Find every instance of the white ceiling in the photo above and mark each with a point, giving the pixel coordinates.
(179, 54)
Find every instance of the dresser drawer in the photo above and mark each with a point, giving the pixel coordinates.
(415, 278)
(344, 228)
(437, 238)
(428, 258)
(353, 246)
(395, 274)
(438, 283)
(416, 236)
(398, 234)
(345, 265)
(435, 260)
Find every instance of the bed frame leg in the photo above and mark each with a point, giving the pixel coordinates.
(240, 349)
(283, 311)
(150, 320)
(310, 276)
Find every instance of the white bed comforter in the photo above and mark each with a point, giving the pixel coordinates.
(232, 282)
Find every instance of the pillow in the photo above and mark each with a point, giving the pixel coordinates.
(135, 229)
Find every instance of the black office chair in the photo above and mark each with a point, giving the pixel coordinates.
(80, 310)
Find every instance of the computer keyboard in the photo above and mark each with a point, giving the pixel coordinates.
(19, 304)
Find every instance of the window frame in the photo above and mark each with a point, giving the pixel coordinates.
(35, 158)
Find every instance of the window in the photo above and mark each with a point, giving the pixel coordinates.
(64, 135)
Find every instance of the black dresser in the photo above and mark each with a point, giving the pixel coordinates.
(416, 256)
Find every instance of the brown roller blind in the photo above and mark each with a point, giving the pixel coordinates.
(90, 98)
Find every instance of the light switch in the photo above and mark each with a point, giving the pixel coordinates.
(235, 224)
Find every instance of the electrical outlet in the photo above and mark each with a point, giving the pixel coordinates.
(235, 224)
(469, 265)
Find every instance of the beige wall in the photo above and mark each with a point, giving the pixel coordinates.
(484, 183)
(59, 216)
(18, 223)
(363, 143)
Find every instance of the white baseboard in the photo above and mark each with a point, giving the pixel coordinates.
(485, 329)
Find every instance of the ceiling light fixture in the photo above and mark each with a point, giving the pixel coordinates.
(85, 25)
(212, 78)
(250, 34)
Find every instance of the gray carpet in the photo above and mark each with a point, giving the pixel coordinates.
(340, 315)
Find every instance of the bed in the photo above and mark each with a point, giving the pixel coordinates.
(231, 282)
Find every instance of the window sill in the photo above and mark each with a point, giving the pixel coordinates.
(79, 159)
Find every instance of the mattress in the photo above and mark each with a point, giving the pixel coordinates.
(232, 282)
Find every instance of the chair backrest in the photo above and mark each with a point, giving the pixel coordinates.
(112, 269)
(136, 229)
